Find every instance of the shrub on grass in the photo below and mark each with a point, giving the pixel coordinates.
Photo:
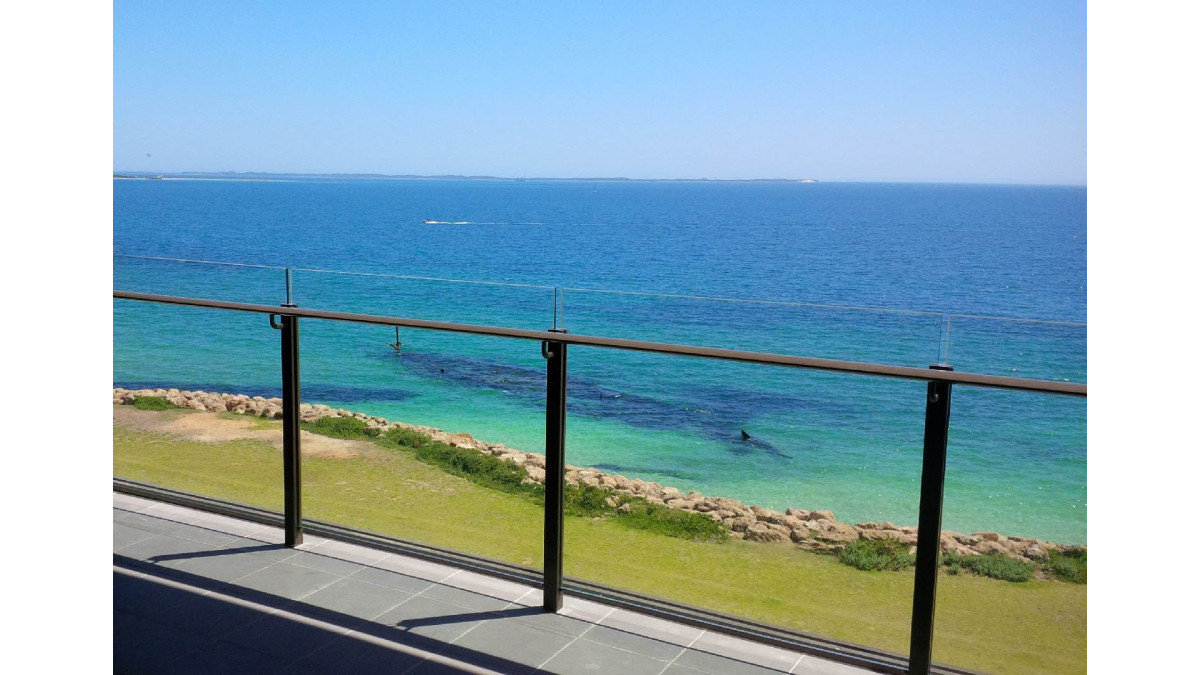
(642, 515)
(993, 565)
(1068, 565)
(350, 428)
(587, 501)
(877, 554)
(405, 438)
(481, 469)
(152, 403)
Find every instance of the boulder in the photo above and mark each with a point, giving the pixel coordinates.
(822, 515)
(838, 532)
(989, 546)
(764, 532)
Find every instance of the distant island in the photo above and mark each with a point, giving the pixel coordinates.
(256, 176)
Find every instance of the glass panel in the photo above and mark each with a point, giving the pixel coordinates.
(437, 484)
(770, 438)
(848, 333)
(1044, 350)
(231, 282)
(176, 422)
(495, 304)
(1012, 593)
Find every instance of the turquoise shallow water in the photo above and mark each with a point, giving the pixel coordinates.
(850, 444)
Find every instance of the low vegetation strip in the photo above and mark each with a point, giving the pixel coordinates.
(649, 505)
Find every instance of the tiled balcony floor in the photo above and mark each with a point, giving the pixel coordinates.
(195, 592)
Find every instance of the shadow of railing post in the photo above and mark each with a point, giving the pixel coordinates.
(555, 354)
(929, 524)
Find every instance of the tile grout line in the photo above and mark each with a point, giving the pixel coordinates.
(682, 652)
(576, 638)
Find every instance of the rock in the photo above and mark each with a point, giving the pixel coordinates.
(822, 515)
(538, 474)
(763, 532)
(1034, 551)
(838, 532)
(740, 523)
(797, 513)
(990, 536)
(989, 546)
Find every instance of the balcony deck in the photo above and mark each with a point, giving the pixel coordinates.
(199, 592)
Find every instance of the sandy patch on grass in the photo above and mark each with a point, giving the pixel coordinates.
(207, 427)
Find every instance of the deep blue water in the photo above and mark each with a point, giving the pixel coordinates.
(905, 274)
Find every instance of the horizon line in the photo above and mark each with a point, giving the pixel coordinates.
(579, 179)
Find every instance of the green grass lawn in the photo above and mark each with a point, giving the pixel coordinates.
(983, 624)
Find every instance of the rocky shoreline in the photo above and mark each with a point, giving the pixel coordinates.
(816, 530)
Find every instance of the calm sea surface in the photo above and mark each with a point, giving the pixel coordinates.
(892, 273)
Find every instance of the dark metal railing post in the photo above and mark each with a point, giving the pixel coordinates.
(555, 354)
(289, 340)
(929, 524)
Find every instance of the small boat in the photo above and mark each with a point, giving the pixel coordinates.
(430, 222)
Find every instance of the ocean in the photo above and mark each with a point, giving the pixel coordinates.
(991, 279)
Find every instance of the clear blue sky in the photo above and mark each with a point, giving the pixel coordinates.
(865, 91)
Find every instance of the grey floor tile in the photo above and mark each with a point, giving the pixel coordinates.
(664, 651)
(555, 623)
(746, 651)
(356, 598)
(287, 581)
(148, 523)
(430, 618)
(226, 657)
(139, 596)
(463, 598)
(415, 567)
(582, 657)
(124, 535)
(204, 535)
(324, 563)
(584, 610)
(272, 552)
(354, 655)
(288, 636)
(652, 627)
(211, 615)
(400, 582)
(486, 585)
(142, 645)
(231, 525)
(350, 552)
(178, 514)
(220, 566)
(717, 665)
(162, 549)
(512, 641)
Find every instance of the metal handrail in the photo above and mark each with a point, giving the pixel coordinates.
(812, 363)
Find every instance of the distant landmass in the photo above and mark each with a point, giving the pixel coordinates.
(250, 175)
